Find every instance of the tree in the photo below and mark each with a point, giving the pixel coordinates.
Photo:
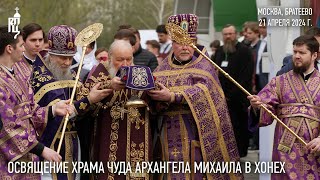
(141, 14)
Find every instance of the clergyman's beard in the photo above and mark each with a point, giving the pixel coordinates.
(229, 46)
(111, 69)
(299, 70)
(58, 73)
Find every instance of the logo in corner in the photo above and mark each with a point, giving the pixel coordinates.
(13, 23)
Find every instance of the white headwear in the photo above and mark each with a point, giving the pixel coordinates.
(89, 60)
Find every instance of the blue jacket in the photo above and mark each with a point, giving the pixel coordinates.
(287, 65)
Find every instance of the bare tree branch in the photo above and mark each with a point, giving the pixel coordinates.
(155, 16)
(154, 4)
(80, 13)
(161, 11)
(167, 14)
(143, 22)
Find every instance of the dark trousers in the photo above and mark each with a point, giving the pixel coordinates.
(239, 120)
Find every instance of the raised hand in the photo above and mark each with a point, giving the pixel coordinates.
(314, 145)
(163, 94)
(255, 101)
(97, 95)
(117, 84)
(62, 107)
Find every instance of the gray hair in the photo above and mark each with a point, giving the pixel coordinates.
(56, 70)
(119, 44)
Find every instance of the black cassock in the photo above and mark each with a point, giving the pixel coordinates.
(239, 65)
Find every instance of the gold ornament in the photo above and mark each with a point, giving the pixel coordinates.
(182, 37)
(84, 38)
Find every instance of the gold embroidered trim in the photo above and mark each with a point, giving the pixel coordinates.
(300, 104)
(27, 64)
(18, 95)
(287, 139)
(191, 64)
(23, 73)
(217, 122)
(113, 143)
(216, 119)
(24, 117)
(45, 122)
(52, 86)
(173, 113)
(137, 152)
(134, 117)
(69, 132)
(11, 135)
(185, 144)
(278, 88)
(312, 125)
(293, 110)
(20, 106)
(178, 89)
(128, 150)
(299, 115)
(284, 148)
(83, 105)
(113, 99)
(168, 73)
(85, 88)
(24, 87)
(136, 155)
(69, 153)
(293, 87)
(146, 134)
(317, 90)
(306, 90)
(27, 111)
(106, 84)
(24, 152)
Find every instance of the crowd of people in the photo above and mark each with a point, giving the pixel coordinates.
(194, 113)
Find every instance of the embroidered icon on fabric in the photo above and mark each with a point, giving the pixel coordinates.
(139, 77)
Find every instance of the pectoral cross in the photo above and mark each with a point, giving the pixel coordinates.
(175, 152)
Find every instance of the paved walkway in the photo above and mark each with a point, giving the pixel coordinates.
(253, 156)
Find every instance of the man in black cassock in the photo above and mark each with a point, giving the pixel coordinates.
(237, 60)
